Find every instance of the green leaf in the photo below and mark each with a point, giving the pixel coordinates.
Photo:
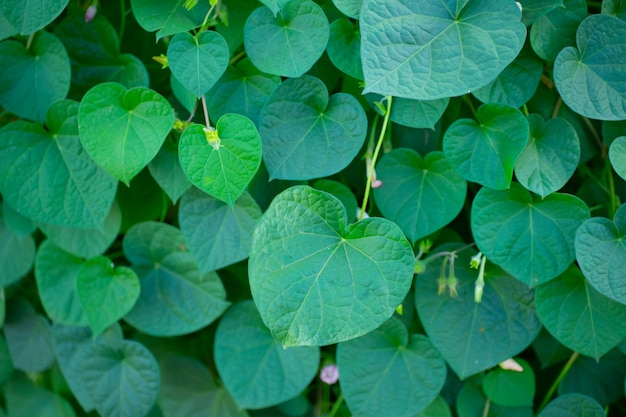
(390, 372)
(168, 16)
(275, 5)
(473, 337)
(299, 121)
(615, 8)
(551, 155)
(529, 237)
(617, 156)
(168, 274)
(185, 97)
(580, 317)
(343, 193)
(412, 113)
(6, 29)
(6, 364)
(218, 234)
(25, 399)
(350, 8)
(243, 89)
(317, 280)
(135, 123)
(438, 408)
(534, 9)
(549, 351)
(18, 224)
(56, 273)
(291, 42)
(587, 78)
(511, 388)
(426, 50)
(16, 255)
(222, 161)
(122, 382)
(166, 170)
(578, 405)
(344, 48)
(107, 293)
(601, 254)
(486, 151)
(471, 402)
(556, 30)
(421, 195)
(32, 79)
(27, 17)
(198, 62)
(255, 368)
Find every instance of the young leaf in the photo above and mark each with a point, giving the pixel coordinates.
(168, 16)
(299, 121)
(134, 122)
(16, 255)
(344, 48)
(255, 368)
(421, 195)
(531, 238)
(556, 30)
(578, 405)
(390, 372)
(511, 388)
(317, 280)
(426, 50)
(617, 155)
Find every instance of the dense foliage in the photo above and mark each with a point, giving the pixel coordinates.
(218, 208)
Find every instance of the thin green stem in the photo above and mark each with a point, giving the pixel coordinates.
(469, 103)
(236, 58)
(525, 110)
(122, 20)
(557, 381)
(206, 22)
(368, 186)
(165, 203)
(206, 112)
(486, 408)
(612, 196)
(115, 255)
(336, 406)
(585, 169)
(596, 136)
(30, 40)
(557, 108)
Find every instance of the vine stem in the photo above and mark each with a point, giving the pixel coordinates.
(30, 40)
(122, 20)
(558, 380)
(206, 112)
(370, 177)
(612, 196)
(486, 408)
(336, 406)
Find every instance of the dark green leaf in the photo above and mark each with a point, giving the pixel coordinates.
(549, 351)
(6, 363)
(350, 8)
(471, 402)
(615, 8)
(19, 225)
(412, 113)
(166, 170)
(25, 399)
(511, 388)
(534, 9)
(573, 405)
(343, 193)
(16, 255)
(556, 30)
(344, 47)
(617, 155)
(275, 5)
(168, 16)
(27, 17)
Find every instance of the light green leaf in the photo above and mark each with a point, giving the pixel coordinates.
(534, 9)
(317, 280)
(580, 317)
(344, 48)
(25, 399)
(31, 80)
(218, 234)
(299, 122)
(255, 368)
(412, 113)
(291, 42)
(421, 195)
(473, 337)
(222, 161)
(389, 372)
(556, 30)
(485, 151)
(551, 155)
(168, 16)
(166, 170)
(430, 50)
(134, 122)
(511, 388)
(529, 237)
(16, 255)
(168, 274)
(27, 17)
(198, 62)
(578, 405)
(601, 254)
(617, 156)
(350, 8)
(588, 77)
(56, 273)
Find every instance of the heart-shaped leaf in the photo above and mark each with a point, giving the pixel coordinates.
(617, 155)
(275, 5)
(529, 237)
(198, 62)
(350, 8)
(317, 280)
(412, 113)
(389, 372)
(27, 17)
(601, 254)
(166, 170)
(291, 42)
(556, 30)
(578, 405)
(587, 77)
(486, 151)
(169, 17)
(534, 9)
(430, 50)
(344, 48)
(420, 195)
(255, 368)
(122, 130)
(299, 122)
(106, 292)
(551, 155)
(16, 255)
(222, 161)
(511, 388)
(615, 8)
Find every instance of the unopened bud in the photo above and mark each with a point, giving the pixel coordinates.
(91, 13)
(329, 374)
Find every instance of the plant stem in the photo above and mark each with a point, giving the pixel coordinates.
(368, 185)
(206, 112)
(336, 406)
(525, 109)
(596, 136)
(469, 103)
(236, 58)
(122, 20)
(612, 197)
(557, 381)
(486, 408)
(557, 107)
(30, 40)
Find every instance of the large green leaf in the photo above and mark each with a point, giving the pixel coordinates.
(255, 368)
(429, 50)
(166, 170)
(485, 151)
(421, 195)
(21, 226)
(221, 161)
(198, 62)
(472, 402)
(25, 399)
(300, 122)
(578, 405)
(511, 388)
(588, 77)
(218, 234)
(317, 280)
(16, 255)
(412, 113)
(32, 79)
(350, 8)
(529, 237)
(27, 17)
(534, 9)
(134, 122)
(556, 30)
(390, 372)
(580, 317)
(601, 254)
(344, 47)
(168, 16)
(474, 336)
(551, 155)
(176, 298)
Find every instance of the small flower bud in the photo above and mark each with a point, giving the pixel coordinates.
(376, 183)
(452, 283)
(425, 246)
(91, 13)
(329, 374)
(511, 365)
(419, 267)
(161, 59)
(475, 261)
(441, 285)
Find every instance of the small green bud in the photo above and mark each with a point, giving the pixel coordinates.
(419, 267)
(475, 261)
(441, 285)
(190, 4)
(425, 246)
(399, 309)
(452, 283)
(161, 59)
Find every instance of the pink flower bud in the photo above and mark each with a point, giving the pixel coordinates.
(329, 374)
(91, 13)
(377, 183)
